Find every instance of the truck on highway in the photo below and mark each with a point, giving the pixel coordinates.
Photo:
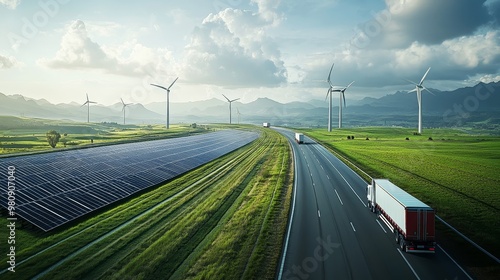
(266, 124)
(299, 137)
(411, 220)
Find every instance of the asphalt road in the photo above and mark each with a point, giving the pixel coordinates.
(333, 235)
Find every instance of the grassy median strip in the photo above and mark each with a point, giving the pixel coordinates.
(251, 253)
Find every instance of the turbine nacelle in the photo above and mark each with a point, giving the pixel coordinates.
(88, 101)
(230, 101)
(420, 86)
(124, 104)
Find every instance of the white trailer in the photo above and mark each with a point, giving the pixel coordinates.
(411, 220)
(299, 137)
(266, 124)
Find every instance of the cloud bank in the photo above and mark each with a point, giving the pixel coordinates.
(78, 51)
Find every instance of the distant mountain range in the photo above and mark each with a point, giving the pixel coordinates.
(470, 106)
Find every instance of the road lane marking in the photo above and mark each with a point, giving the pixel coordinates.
(319, 214)
(353, 227)
(344, 179)
(440, 248)
(328, 177)
(339, 197)
(380, 225)
(408, 263)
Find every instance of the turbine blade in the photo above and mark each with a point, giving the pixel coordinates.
(87, 96)
(234, 100)
(172, 83)
(122, 101)
(343, 97)
(428, 90)
(226, 98)
(411, 82)
(413, 90)
(425, 75)
(84, 104)
(162, 87)
(328, 92)
(349, 85)
(329, 75)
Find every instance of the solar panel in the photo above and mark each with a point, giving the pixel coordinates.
(53, 189)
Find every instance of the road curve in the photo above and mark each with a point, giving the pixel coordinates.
(332, 235)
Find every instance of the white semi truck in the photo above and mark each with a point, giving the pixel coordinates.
(299, 137)
(411, 220)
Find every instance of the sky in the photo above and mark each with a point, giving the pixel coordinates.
(59, 50)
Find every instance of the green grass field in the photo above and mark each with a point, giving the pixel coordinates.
(21, 135)
(456, 172)
(224, 220)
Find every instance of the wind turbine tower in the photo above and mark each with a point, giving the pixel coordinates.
(418, 88)
(168, 98)
(123, 109)
(239, 114)
(342, 98)
(230, 101)
(88, 102)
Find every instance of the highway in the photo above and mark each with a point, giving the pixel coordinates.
(333, 235)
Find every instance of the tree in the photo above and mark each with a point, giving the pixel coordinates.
(53, 138)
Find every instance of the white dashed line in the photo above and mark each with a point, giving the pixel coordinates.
(353, 227)
(339, 197)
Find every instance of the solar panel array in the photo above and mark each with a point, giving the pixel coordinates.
(55, 188)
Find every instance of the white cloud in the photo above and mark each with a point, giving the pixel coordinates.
(455, 59)
(471, 54)
(11, 4)
(78, 51)
(7, 62)
(231, 49)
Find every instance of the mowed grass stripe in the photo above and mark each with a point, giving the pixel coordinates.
(162, 258)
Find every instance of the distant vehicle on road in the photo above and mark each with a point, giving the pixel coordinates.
(299, 137)
(411, 220)
(266, 124)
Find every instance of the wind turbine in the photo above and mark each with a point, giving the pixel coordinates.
(332, 89)
(239, 114)
(123, 109)
(342, 97)
(168, 95)
(230, 101)
(88, 102)
(418, 88)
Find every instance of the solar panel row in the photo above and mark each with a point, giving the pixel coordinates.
(55, 188)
